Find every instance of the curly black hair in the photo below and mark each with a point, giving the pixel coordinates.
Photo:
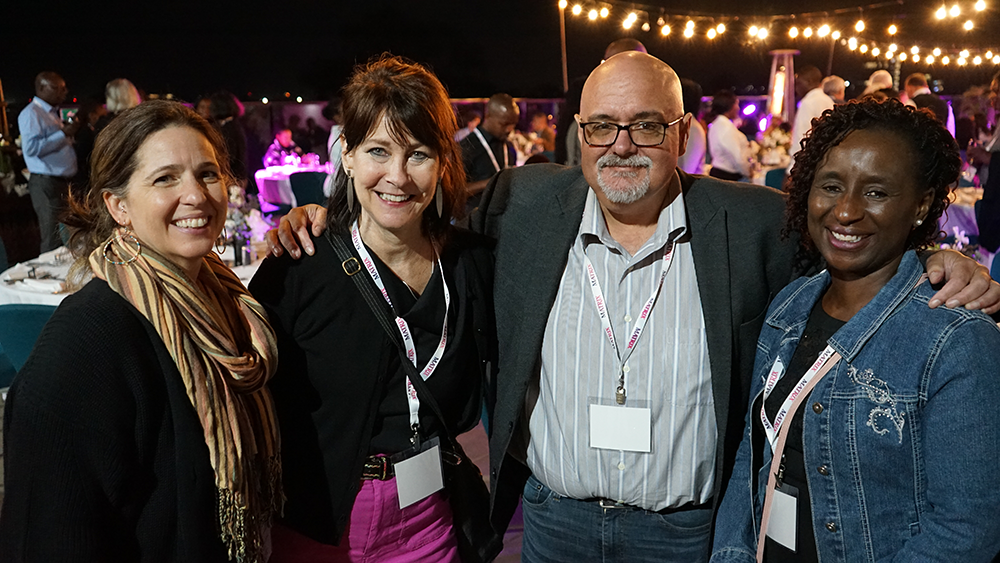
(934, 151)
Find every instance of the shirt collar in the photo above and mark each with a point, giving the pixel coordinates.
(671, 225)
(43, 104)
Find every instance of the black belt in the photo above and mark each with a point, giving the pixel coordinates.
(611, 504)
(378, 467)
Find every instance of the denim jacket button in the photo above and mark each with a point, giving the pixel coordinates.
(832, 526)
(823, 470)
(817, 408)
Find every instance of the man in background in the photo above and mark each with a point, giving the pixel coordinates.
(812, 103)
(916, 86)
(282, 147)
(47, 145)
(487, 150)
(835, 87)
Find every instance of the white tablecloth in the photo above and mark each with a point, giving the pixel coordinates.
(56, 264)
(274, 185)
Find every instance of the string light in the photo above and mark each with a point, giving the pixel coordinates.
(721, 28)
(860, 26)
(915, 50)
(996, 59)
(989, 54)
(689, 32)
(863, 48)
(605, 12)
(808, 32)
(961, 61)
(665, 30)
(793, 32)
(592, 16)
(753, 30)
(941, 13)
(955, 11)
(563, 4)
(892, 29)
(689, 24)
(264, 100)
(875, 52)
(762, 33)
(968, 25)
(852, 43)
(977, 60)
(823, 31)
(577, 9)
(929, 60)
(711, 33)
(945, 60)
(645, 26)
(936, 52)
(964, 54)
(835, 35)
(902, 56)
(892, 46)
(980, 6)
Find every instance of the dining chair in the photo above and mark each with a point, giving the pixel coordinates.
(20, 325)
(775, 178)
(308, 187)
(7, 371)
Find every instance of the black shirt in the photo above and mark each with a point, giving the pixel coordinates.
(818, 331)
(477, 163)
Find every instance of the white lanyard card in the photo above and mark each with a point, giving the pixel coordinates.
(418, 472)
(621, 428)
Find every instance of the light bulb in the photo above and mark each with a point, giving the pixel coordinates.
(823, 31)
(892, 29)
(860, 26)
(665, 30)
(711, 33)
(793, 32)
(808, 32)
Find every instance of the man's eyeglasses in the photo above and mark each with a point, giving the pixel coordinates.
(641, 133)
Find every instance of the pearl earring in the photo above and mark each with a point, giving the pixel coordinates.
(919, 222)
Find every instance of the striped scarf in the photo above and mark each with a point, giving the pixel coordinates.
(225, 351)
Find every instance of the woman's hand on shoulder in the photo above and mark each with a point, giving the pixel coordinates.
(294, 229)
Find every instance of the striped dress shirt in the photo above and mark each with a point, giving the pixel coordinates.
(668, 371)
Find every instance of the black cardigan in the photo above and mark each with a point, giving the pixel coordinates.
(331, 345)
(105, 459)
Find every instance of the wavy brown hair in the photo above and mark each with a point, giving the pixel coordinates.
(413, 101)
(111, 167)
(933, 149)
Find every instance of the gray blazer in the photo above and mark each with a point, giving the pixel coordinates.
(534, 212)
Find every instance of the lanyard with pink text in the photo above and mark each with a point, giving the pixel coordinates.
(640, 323)
(777, 369)
(489, 151)
(404, 328)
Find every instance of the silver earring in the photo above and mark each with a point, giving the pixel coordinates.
(109, 252)
(350, 193)
(439, 200)
(919, 222)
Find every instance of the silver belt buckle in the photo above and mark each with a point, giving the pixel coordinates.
(605, 503)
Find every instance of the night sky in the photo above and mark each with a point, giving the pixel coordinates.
(260, 49)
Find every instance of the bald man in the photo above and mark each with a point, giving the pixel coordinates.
(47, 145)
(629, 296)
(487, 150)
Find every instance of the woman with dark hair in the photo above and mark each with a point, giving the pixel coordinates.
(352, 420)
(140, 428)
(727, 146)
(226, 111)
(858, 444)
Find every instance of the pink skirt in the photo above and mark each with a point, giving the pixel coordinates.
(378, 531)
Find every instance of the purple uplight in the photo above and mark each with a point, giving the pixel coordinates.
(750, 110)
(762, 124)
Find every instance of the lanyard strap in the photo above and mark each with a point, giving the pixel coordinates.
(489, 151)
(404, 328)
(779, 448)
(640, 323)
(772, 380)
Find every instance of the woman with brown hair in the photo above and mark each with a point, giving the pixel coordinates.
(355, 419)
(140, 428)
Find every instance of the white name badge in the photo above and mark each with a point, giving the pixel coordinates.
(620, 428)
(419, 476)
(781, 524)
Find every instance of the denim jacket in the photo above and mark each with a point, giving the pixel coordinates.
(901, 439)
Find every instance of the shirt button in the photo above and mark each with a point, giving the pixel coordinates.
(628, 318)
(832, 526)
(817, 408)
(621, 466)
(626, 369)
(823, 470)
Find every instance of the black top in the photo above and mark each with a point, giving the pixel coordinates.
(339, 389)
(818, 331)
(105, 458)
(477, 163)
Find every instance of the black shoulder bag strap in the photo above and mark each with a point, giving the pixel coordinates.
(478, 542)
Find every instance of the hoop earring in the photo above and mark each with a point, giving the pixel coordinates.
(350, 193)
(107, 247)
(439, 200)
(220, 243)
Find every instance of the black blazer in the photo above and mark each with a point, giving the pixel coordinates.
(535, 213)
(332, 346)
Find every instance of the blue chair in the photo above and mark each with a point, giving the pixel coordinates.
(7, 371)
(775, 178)
(20, 326)
(308, 187)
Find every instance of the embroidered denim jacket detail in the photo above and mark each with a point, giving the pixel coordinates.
(903, 428)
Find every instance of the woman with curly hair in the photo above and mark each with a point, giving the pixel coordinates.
(856, 446)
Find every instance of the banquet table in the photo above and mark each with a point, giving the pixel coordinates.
(275, 186)
(50, 269)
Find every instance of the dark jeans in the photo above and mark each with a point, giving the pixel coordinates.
(560, 529)
(48, 197)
